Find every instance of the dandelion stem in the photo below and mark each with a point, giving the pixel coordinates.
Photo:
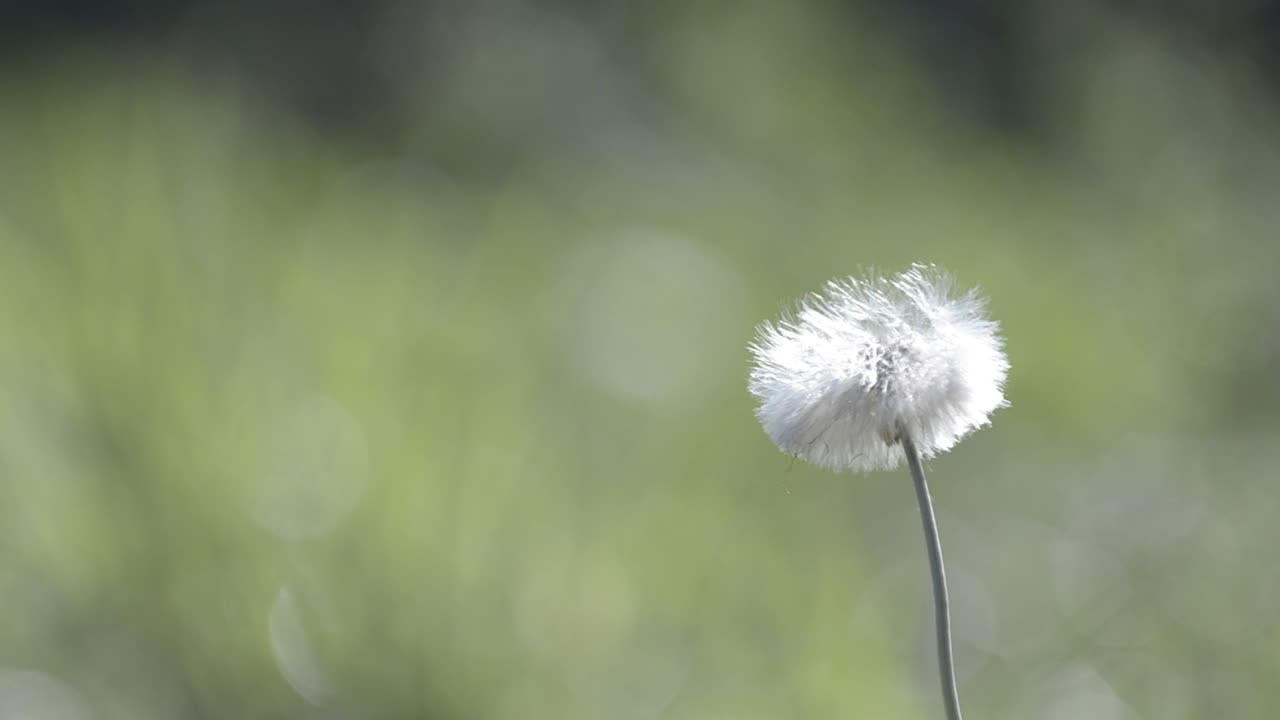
(941, 605)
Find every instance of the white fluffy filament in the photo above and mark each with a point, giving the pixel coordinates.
(867, 358)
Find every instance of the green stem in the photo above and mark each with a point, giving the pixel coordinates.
(941, 604)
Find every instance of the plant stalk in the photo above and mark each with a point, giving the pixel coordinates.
(941, 603)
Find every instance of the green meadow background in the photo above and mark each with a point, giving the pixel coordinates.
(450, 421)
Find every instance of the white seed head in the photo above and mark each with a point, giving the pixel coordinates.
(869, 359)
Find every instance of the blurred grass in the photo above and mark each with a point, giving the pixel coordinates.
(180, 288)
(295, 426)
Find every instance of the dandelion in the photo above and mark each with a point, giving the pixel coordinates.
(879, 370)
(872, 359)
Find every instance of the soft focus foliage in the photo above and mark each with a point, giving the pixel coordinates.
(299, 427)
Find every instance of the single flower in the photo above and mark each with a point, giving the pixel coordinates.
(868, 360)
(877, 370)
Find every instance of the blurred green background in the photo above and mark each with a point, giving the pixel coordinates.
(409, 380)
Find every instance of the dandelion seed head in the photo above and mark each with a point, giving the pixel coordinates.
(869, 358)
